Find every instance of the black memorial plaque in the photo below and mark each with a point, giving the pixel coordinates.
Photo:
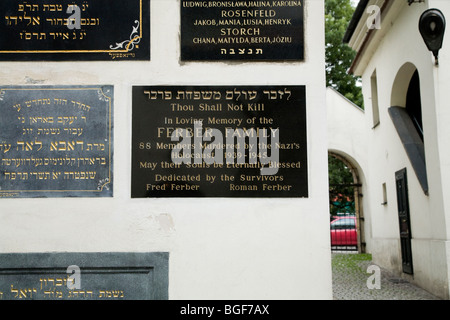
(242, 30)
(219, 141)
(74, 30)
(56, 141)
(84, 276)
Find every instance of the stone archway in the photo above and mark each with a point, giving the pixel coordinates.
(356, 184)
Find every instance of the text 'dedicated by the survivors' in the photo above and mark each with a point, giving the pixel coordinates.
(219, 141)
(56, 141)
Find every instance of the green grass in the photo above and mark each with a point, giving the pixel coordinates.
(350, 262)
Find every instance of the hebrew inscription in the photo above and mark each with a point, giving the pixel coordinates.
(75, 30)
(84, 276)
(56, 141)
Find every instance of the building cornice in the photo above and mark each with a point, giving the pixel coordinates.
(359, 11)
(363, 39)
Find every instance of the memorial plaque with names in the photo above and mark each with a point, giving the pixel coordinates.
(219, 141)
(242, 30)
(84, 276)
(56, 141)
(74, 30)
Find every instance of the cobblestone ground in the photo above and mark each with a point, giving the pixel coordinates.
(350, 281)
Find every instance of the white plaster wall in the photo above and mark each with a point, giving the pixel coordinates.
(347, 133)
(441, 83)
(219, 248)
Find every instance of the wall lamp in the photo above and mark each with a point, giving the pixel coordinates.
(432, 29)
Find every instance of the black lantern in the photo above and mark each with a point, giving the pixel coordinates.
(432, 29)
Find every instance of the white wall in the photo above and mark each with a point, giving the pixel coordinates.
(347, 133)
(441, 83)
(219, 249)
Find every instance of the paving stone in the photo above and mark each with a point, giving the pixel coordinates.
(350, 281)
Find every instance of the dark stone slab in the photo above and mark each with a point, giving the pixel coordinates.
(162, 111)
(56, 30)
(412, 142)
(242, 30)
(84, 276)
(56, 141)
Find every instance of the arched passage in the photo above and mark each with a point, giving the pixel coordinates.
(349, 185)
(401, 84)
(406, 115)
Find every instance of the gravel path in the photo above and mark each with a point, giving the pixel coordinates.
(350, 278)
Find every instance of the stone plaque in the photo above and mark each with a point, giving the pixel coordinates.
(75, 30)
(84, 276)
(219, 141)
(56, 141)
(242, 30)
